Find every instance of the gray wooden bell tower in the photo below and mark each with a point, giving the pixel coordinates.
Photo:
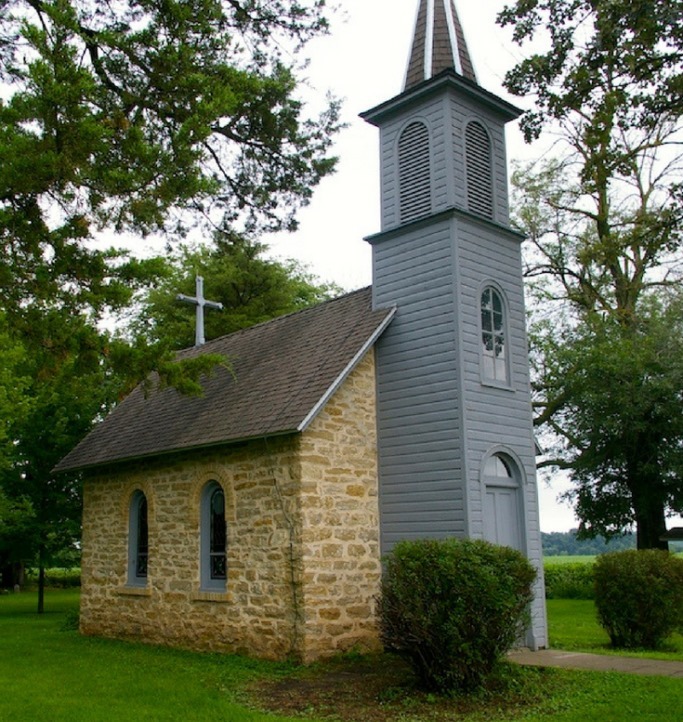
(456, 445)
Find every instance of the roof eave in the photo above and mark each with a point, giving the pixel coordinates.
(164, 453)
(448, 78)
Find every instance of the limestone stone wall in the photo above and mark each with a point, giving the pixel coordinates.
(255, 615)
(340, 520)
(303, 553)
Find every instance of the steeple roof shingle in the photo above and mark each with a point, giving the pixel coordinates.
(438, 44)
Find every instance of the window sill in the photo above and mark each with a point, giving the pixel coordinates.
(492, 383)
(131, 591)
(217, 596)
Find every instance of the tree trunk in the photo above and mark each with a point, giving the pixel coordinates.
(12, 574)
(650, 524)
(41, 582)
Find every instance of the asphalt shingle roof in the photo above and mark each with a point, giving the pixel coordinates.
(444, 47)
(282, 373)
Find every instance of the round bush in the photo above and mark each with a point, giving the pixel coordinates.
(639, 596)
(454, 608)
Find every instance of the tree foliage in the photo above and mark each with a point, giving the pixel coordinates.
(604, 223)
(558, 543)
(615, 64)
(617, 416)
(120, 115)
(236, 273)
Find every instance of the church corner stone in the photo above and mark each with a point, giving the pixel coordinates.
(302, 554)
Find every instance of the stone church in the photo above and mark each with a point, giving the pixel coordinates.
(254, 519)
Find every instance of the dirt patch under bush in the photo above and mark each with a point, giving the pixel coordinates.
(382, 689)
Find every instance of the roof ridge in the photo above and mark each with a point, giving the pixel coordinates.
(194, 350)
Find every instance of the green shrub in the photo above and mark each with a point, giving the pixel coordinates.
(453, 608)
(639, 596)
(55, 578)
(569, 581)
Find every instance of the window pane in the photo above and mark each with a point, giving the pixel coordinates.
(500, 369)
(142, 538)
(498, 467)
(217, 540)
(486, 322)
(494, 365)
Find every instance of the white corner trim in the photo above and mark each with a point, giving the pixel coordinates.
(347, 370)
(429, 40)
(450, 21)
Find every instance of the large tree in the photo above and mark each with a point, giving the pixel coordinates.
(136, 116)
(146, 116)
(604, 222)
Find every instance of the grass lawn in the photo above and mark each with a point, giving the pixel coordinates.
(50, 674)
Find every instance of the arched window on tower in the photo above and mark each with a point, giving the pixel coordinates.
(138, 540)
(478, 170)
(494, 355)
(414, 174)
(213, 538)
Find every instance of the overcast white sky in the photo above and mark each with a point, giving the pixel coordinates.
(364, 62)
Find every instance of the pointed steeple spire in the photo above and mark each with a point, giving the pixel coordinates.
(438, 44)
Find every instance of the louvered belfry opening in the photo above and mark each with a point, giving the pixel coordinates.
(415, 193)
(478, 169)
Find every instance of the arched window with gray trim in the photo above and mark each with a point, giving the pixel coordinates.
(213, 538)
(494, 355)
(138, 540)
(478, 169)
(414, 172)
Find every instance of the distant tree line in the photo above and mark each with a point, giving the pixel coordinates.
(558, 543)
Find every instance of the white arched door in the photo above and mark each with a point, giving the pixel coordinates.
(502, 503)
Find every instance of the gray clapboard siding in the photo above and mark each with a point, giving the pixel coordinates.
(419, 417)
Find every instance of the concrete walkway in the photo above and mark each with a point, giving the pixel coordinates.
(597, 662)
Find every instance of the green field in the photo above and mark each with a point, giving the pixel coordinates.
(579, 559)
(50, 674)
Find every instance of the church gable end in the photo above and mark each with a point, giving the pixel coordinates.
(300, 515)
